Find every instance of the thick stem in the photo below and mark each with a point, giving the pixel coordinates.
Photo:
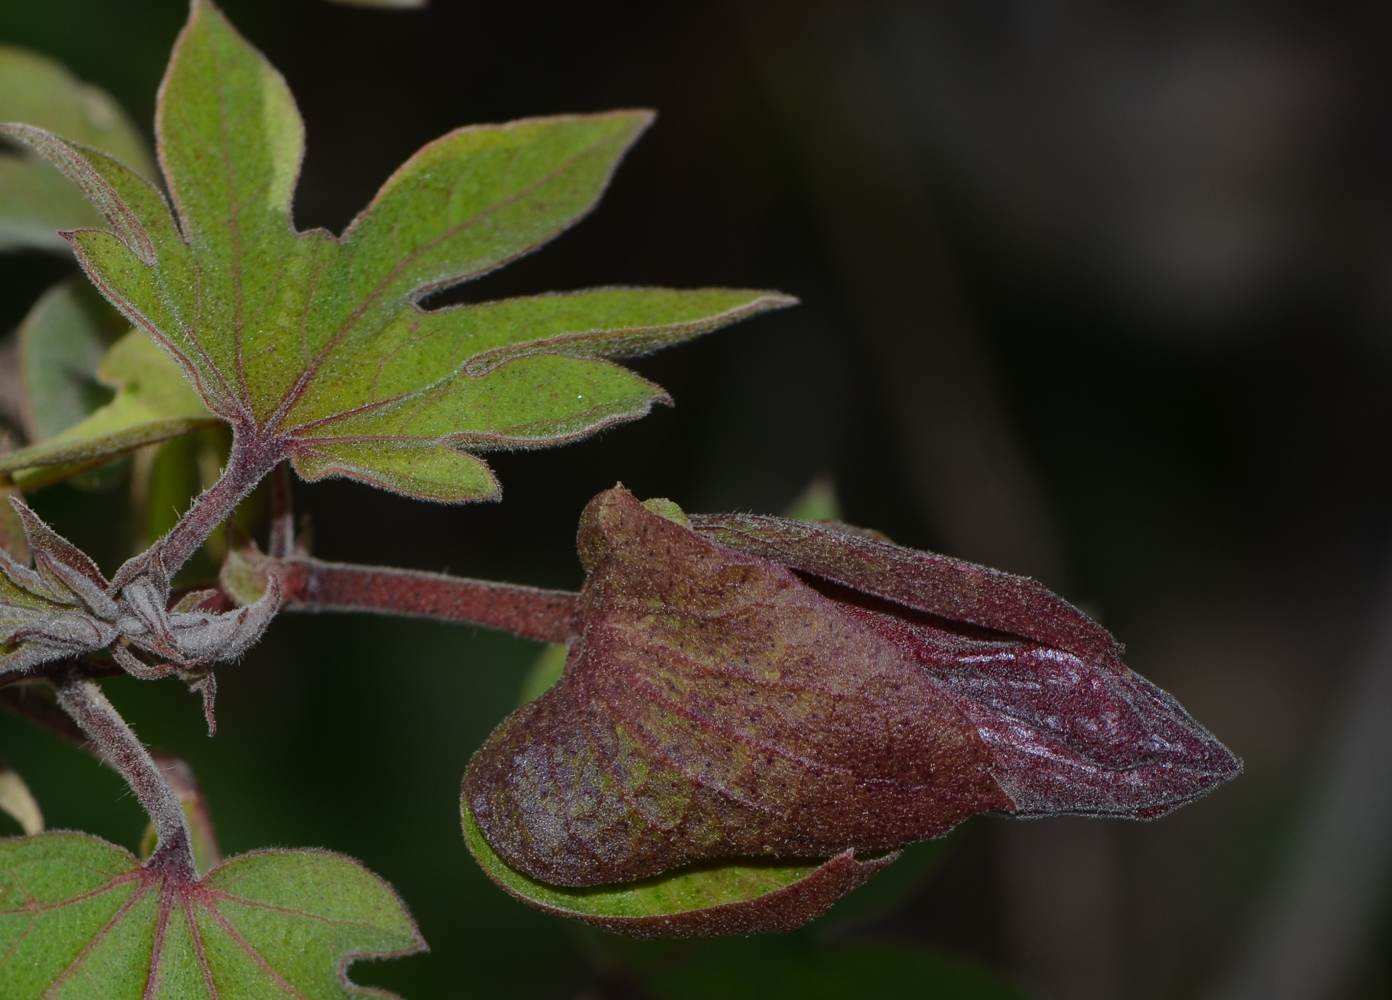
(82, 699)
(282, 513)
(311, 585)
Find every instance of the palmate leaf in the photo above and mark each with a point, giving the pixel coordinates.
(314, 345)
(35, 200)
(80, 918)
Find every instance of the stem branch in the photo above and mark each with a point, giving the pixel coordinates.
(250, 460)
(311, 585)
(82, 699)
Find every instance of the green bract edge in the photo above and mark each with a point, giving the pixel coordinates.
(630, 906)
(81, 918)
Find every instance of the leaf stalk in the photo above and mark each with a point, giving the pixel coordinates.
(529, 612)
(83, 699)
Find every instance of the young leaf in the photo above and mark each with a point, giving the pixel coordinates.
(718, 705)
(64, 607)
(748, 897)
(314, 347)
(35, 200)
(81, 918)
(61, 342)
(153, 402)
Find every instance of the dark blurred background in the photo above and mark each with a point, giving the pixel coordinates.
(1099, 293)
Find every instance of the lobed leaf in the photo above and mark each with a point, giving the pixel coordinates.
(35, 200)
(81, 918)
(746, 897)
(316, 344)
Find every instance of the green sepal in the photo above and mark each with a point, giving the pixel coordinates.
(744, 896)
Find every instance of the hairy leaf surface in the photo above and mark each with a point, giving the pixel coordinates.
(36, 201)
(316, 345)
(80, 918)
(717, 704)
(741, 898)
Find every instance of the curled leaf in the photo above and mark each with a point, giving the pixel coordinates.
(718, 705)
(64, 607)
(743, 897)
(315, 347)
(81, 918)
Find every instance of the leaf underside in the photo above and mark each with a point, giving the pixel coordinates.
(316, 343)
(80, 918)
(741, 897)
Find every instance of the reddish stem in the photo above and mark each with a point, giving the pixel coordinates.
(311, 585)
(82, 699)
(282, 513)
(252, 457)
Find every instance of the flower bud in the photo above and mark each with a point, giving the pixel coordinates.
(759, 687)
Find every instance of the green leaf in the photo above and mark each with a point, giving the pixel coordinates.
(797, 968)
(317, 345)
(750, 896)
(153, 402)
(35, 200)
(62, 342)
(81, 918)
